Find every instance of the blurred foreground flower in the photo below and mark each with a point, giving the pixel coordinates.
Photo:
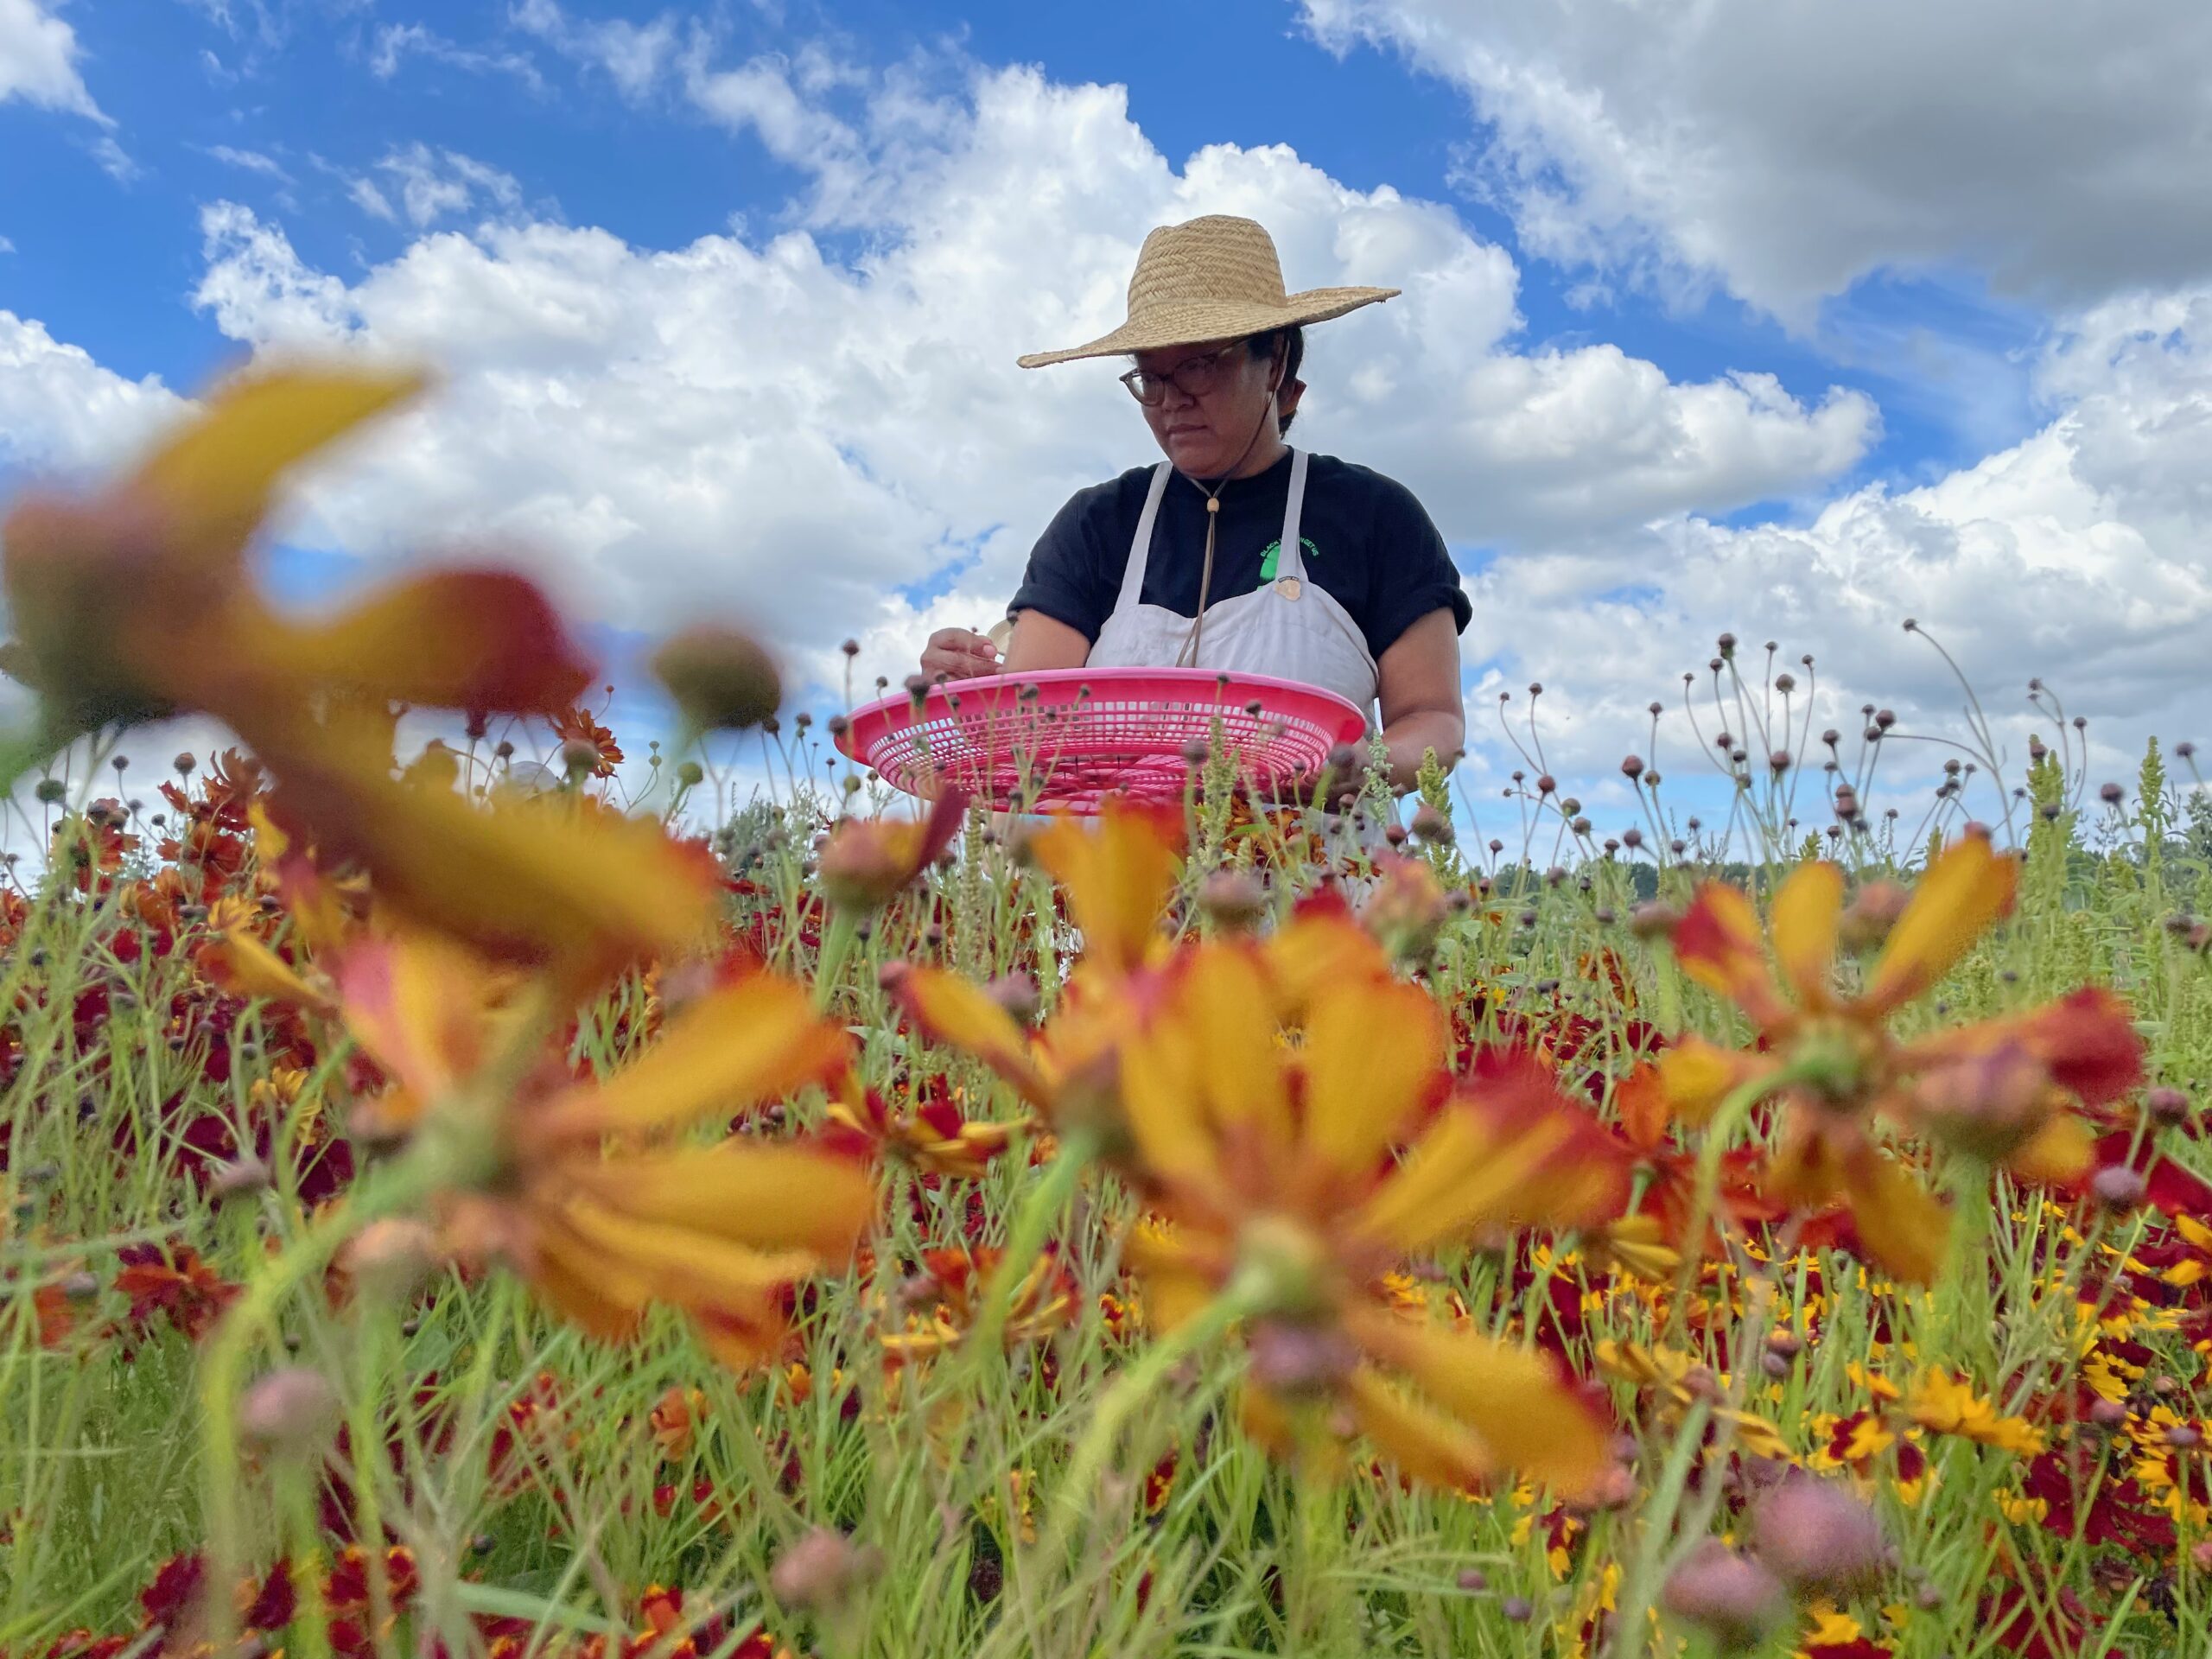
(136, 603)
(2001, 1088)
(558, 881)
(574, 1185)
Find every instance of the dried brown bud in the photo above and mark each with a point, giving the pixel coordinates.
(821, 1571)
(1234, 899)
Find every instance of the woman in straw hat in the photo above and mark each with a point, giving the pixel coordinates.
(1238, 552)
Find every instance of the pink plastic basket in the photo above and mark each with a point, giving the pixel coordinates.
(1066, 739)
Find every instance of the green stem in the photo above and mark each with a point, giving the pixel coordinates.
(1024, 1241)
(1727, 1118)
(398, 1186)
(1642, 1584)
(836, 945)
(1245, 1294)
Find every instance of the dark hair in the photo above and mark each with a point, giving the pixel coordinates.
(1293, 354)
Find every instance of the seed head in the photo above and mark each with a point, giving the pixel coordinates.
(2117, 1187)
(1736, 1601)
(2167, 1106)
(821, 1571)
(1632, 768)
(1819, 1538)
(288, 1411)
(722, 679)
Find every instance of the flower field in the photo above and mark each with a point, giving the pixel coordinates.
(451, 1213)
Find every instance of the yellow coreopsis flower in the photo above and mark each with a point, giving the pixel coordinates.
(577, 1185)
(1275, 1185)
(2000, 1089)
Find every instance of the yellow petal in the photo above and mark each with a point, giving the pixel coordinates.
(1161, 1104)
(1240, 1065)
(1322, 945)
(1696, 1076)
(680, 1265)
(765, 1195)
(582, 1289)
(1373, 1049)
(1425, 1443)
(1512, 1152)
(1118, 875)
(1806, 911)
(559, 881)
(1965, 891)
(246, 967)
(1179, 1278)
(753, 1041)
(961, 1014)
(1523, 1407)
(2062, 1150)
(212, 480)
(1905, 1229)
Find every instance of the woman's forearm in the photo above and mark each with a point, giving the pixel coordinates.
(1414, 734)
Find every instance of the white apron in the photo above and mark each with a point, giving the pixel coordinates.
(1290, 628)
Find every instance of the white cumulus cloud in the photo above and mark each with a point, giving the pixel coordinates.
(759, 426)
(1786, 150)
(38, 59)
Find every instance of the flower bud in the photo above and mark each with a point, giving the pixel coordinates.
(2169, 1107)
(1018, 995)
(1735, 1601)
(720, 678)
(288, 1411)
(2117, 1187)
(1872, 914)
(1234, 899)
(391, 1256)
(1989, 1103)
(1301, 1360)
(821, 1571)
(1819, 1538)
(1406, 911)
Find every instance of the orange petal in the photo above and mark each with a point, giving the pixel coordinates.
(1717, 942)
(1118, 876)
(422, 1006)
(961, 1014)
(1904, 1228)
(1965, 891)
(485, 641)
(2061, 1151)
(753, 1041)
(1514, 1150)
(1695, 1076)
(558, 881)
(765, 1195)
(1425, 1443)
(1526, 1410)
(1806, 911)
(1372, 1049)
(210, 482)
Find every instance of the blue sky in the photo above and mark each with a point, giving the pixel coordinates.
(1790, 333)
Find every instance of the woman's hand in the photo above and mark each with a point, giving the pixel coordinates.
(956, 654)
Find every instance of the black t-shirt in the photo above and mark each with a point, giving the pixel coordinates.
(1366, 540)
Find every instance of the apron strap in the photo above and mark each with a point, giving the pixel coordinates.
(1132, 592)
(1291, 563)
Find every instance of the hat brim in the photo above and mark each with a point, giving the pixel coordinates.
(1191, 322)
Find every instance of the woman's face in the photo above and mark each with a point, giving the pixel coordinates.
(1207, 434)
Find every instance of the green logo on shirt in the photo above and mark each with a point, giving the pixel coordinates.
(1274, 552)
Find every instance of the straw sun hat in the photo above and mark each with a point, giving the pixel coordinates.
(1212, 278)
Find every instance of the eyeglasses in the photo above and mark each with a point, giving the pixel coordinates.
(1194, 376)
